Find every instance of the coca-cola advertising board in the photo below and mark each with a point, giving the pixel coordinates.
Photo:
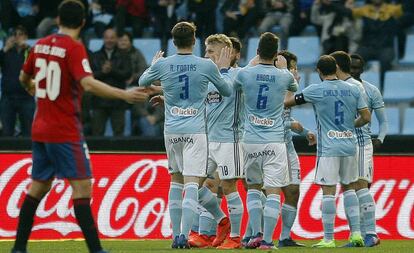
(130, 199)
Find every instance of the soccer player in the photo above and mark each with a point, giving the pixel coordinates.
(60, 68)
(364, 153)
(336, 104)
(184, 80)
(224, 133)
(291, 190)
(264, 150)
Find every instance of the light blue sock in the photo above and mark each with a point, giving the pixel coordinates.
(209, 202)
(328, 216)
(271, 215)
(206, 223)
(351, 206)
(190, 202)
(263, 198)
(249, 231)
(255, 209)
(235, 208)
(196, 227)
(288, 218)
(175, 199)
(367, 204)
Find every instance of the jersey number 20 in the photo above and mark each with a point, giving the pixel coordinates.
(52, 74)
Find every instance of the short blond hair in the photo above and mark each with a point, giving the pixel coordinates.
(219, 39)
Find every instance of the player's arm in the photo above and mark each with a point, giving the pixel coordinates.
(297, 99)
(383, 127)
(101, 89)
(363, 118)
(152, 73)
(27, 82)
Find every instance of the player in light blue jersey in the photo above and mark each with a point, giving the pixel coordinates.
(265, 159)
(365, 153)
(224, 132)
(336, 104)
(184, 81)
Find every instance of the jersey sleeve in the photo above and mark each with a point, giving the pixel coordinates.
(223, 82)
(150, 75)
(78, 63)
(377, 100)
(238, 80)
(361, 101)
(29, 64)
(312, 94)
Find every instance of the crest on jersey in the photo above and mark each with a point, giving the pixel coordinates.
(214, 97)
(86, 66)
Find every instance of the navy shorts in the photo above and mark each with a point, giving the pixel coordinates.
(68, 160)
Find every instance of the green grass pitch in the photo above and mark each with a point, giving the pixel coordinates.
(397, 246)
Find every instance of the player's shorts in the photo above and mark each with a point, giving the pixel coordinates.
(332, 170)
(293, 165)
(64, 160)
(187, 154)
(266, 164)
(365, 162)
(226, 158)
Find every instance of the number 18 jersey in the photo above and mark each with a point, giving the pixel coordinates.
(57, 63)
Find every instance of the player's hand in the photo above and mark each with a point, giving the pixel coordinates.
(157, 101)
(225, 58)
(281, 62)
(296, 127)
(31, 89)
(153, 90)
(254, 61)
(135, 95)
(157, 56)
(376, 143)
(311, 137)
(10, 42)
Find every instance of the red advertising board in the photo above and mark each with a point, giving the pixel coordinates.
(130, 199)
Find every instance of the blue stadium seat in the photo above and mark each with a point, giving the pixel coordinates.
(393, 117)
(305, 116)
(408, 126)
(148, 47)
(373, 77)
(306, 48)
(196, 50)
(31, 42)
(251, 48)
(314, 78)
(95, 44)
(408, 58)
(399, 86)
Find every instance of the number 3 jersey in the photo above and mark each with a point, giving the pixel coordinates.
(336, 104)
(57, 63)
(264, 88)
(184, 80)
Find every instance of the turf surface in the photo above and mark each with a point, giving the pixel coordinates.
(400, 246)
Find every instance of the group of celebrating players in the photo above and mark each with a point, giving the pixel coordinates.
(222, 123)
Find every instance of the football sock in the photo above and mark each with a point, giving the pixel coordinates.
(207, 224)
(255, 209)
(271, 215)
(328, 216)
(196, 222)
(190, 203)
(25, 225)
(367, 203)
(351, 207)
(175, 199)
(288, 218)
(210, 203)
(235, 208)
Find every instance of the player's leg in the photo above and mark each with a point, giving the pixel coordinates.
(42, 174)
(327, 176)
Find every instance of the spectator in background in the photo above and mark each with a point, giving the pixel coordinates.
(103, 12)
(147, 120)
(301, 16)
(203, 14)
(336, 26)
(163, 17)
(380, 26)
(47, 15)
(113, 67)
(132, 13)
(279, 13)
(20, 12)
(15, 101)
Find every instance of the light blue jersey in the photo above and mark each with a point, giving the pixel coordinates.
(336, 104)
(374, 102)
(224, 114)
(287, 121)
(184, 80)
(264, 88)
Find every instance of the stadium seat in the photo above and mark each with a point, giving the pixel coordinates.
(148, 47)
(393, 117)
(305, 116)
(251, 48)
(31, 42)
(306, 48)
(399, 86)
(373, 77)
(313, 78)
(95, 44)
(408, 126)
(408, 58)
(196, 51)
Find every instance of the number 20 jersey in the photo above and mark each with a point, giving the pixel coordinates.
(57, 63)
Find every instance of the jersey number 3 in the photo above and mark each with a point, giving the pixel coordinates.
(52, 73)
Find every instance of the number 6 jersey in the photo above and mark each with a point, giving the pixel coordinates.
(57, 63)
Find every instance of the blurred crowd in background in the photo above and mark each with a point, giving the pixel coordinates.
(371, 28)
